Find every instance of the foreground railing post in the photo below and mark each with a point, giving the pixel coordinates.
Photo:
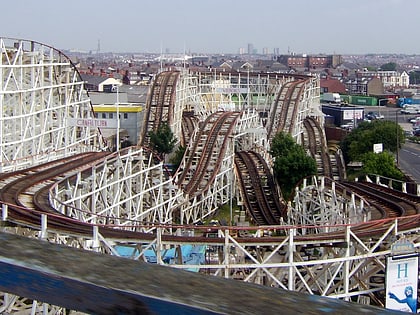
(291, 249)
(159, 260)
(4, 212)
(44, 226)
(226, 262)
(347, 265)
(95, 243)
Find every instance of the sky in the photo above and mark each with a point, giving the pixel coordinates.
(218, 26)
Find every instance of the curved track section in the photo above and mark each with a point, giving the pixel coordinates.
(380, 205)
(160, 103)
(257, 185)
(388, 203)
(27, 196)
(27, 192)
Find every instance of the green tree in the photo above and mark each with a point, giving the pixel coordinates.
(371, 68)
(390, 66)
(361, 140)
(414, 77)
(162, 140)
(177, 157)
(291, 163)
(381, 164)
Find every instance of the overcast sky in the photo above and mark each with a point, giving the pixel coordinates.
(218, 26)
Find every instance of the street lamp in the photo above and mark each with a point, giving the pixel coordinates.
(248, 92)
(118, 119)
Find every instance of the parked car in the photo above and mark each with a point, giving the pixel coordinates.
(374, 115)
(347, 126)
(413, 120)
(408, 133)
(416, 133)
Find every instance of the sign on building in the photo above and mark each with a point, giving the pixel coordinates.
(350, 114)
(92, 122)
(231, 90)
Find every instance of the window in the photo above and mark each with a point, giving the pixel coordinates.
(125, 115)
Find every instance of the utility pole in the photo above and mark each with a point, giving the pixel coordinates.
(398, 142)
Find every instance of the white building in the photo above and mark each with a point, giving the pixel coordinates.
(388, 78)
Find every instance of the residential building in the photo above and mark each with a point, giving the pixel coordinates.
(310, 61)
(364, 86)
(99, 83)
(330, 85)
(390, 79)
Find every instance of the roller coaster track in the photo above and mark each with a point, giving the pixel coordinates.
(285, 108)
(317, 146)
(160, 103)
(389, 203)
(26, 194)
(258, 187)
(385, 204)
(189, 125)
(204, 158)
(26, 190)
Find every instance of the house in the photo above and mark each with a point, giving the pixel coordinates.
(329, 85)
(99, 83)
(364, 86)
(390, 79)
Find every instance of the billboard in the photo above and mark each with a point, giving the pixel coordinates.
(401, 283)
(349, 114)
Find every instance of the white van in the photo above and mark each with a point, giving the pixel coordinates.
(331, 98)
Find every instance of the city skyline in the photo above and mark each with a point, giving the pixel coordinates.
(313, 27)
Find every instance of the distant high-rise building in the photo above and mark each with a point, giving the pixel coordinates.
(250, 49)
(265, 51)
(276, 51)
(242, 51)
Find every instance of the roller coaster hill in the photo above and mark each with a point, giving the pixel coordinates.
(61, 183)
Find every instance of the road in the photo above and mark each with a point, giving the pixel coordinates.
(409, 159)
(409, 155)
